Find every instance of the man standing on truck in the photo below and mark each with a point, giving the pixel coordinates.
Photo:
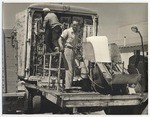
(136, 63)
(52, 30)
(67, 42)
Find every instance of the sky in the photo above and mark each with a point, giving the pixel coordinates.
(112, 16)
(110, 13)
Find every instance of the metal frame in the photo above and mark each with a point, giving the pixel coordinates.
(53, 69)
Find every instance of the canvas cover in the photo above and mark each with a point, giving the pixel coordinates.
(98, 47)
(115, 53)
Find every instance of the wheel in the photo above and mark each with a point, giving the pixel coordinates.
(36, 104)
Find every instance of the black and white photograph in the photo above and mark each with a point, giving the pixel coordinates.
(74, 58)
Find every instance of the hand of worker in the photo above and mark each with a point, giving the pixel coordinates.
(56, 49)
(41, 30)
(61, 49)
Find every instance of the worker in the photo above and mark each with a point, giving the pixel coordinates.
(52, 29)
(67, 42)
(136, 63)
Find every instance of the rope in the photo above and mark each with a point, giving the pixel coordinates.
(91, 78)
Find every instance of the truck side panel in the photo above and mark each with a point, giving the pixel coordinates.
(21, 28)
(10, 66)
(3, 65)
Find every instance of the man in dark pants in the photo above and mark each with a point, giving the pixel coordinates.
(52, 30)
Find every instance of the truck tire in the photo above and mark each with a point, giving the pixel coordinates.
(36, 104)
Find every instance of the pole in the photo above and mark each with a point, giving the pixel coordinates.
(144, 75)
(142, 46)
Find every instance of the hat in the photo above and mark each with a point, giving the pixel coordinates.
(46, 9)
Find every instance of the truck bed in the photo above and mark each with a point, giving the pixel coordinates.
(88, 99)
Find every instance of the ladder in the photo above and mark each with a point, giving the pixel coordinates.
(52, 63)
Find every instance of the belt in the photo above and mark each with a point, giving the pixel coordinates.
(68, 47)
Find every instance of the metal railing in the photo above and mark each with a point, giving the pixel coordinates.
(52, 63)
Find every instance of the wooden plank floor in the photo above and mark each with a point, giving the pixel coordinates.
(89, 99)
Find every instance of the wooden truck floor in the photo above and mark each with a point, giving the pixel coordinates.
(89, 99)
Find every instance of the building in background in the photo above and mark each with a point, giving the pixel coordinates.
(128, 41)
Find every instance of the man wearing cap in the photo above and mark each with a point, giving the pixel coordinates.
(67, 42)
(52, 30)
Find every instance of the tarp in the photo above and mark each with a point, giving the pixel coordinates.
(115, 53)
(100, 47)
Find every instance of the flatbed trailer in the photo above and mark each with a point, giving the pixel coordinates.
(79, 99)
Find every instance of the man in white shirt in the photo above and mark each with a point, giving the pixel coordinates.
(67, 42)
